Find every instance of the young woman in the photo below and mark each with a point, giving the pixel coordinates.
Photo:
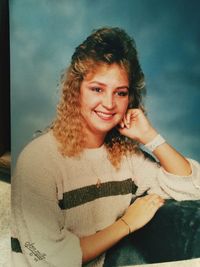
(72, 187)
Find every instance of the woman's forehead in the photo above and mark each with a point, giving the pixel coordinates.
(105, 72)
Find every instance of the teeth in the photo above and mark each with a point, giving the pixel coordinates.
(105, 115)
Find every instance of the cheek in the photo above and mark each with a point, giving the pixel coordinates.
(84, 99)
(87, 102)
(124, 106)
(90, 100)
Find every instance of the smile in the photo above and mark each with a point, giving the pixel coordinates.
(104, 116)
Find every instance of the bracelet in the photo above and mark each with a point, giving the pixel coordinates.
(129, 228)
(157, 141)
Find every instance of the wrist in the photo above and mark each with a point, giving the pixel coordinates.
(126, 226)
(148, 136)
(156, 142)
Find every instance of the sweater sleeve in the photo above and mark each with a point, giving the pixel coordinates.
(150, 177)
(38, 221)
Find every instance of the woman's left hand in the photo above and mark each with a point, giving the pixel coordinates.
(135, 125)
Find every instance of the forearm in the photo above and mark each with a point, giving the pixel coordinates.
(136, 216)
(135, 125)
(94, 245)
(171, 160)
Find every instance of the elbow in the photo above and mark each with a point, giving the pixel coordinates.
(188, 169)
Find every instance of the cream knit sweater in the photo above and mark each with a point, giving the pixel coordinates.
(56, 200)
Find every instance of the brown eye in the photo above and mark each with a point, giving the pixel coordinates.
(96, 89)
(122, 93)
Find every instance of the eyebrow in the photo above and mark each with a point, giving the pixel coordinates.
(103, 84)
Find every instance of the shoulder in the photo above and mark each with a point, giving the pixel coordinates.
(44, 145)
(41, 151)
(36, 169)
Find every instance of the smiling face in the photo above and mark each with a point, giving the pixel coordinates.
(104, 97)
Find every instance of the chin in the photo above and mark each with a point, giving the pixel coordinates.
(103, 129)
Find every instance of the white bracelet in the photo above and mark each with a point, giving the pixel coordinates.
(157, 141)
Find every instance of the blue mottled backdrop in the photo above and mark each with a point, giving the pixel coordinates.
(44, 34)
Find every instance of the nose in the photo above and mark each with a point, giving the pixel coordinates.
(108, 101)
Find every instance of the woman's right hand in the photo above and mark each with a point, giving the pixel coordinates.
(142, 211)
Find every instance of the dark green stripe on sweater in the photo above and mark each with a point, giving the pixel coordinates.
(15, 245)
(86, 194)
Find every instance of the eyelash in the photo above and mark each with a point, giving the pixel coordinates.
(96, 89)
(122, 93)
(119, 93)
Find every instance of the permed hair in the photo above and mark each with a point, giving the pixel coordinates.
(103, 46)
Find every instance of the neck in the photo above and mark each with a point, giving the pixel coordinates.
(94, 140)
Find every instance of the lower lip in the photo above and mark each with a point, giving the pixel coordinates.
(104, 117)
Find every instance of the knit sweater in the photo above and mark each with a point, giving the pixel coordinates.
(56, 200)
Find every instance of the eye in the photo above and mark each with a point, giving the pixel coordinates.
(122, 93)
(96, 89)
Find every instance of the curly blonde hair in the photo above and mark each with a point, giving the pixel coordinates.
(103, 46)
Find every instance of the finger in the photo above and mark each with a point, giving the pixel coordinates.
(127, 120)
(135, 112)
(150, 196)
(153, 198)
(158, 198)
(156, 206)
(153, 195)
(121, 124)
(123, 131)
(156, 203)
(131, 117)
